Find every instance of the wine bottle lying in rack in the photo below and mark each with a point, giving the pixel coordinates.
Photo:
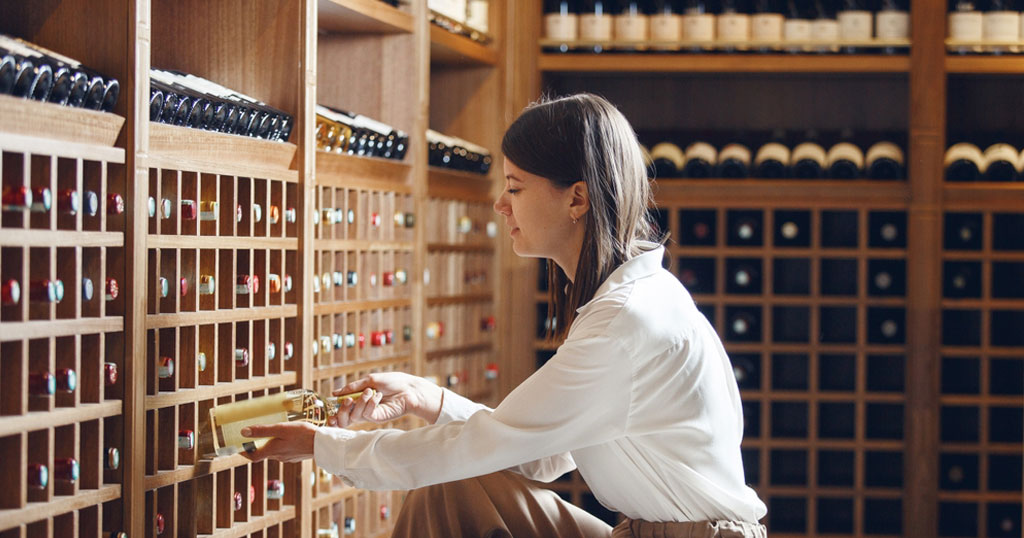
(453, 152)
(177, 98)
(338, 131)
(30, 71)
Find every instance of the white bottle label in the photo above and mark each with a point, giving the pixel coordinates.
(702, 150)
(965, 26)
(809, 151)
(562, 27)
(772, 151)
(796, 30)
(845, 151)
(595, 27)
(734, 27)
(892, 25)
(1001, 152)
(478, 15)
(884, 150)
(963, 151)
(855, 25)
(669, 151)
(736, 152)
(631, 27)
(699, 27)
(825, 30)
(1000, 26)
(666, 27)
(766, 27)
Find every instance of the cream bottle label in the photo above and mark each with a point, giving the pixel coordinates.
(809, 151)
(796, 30)
(825, 30)
(766, 27)
(772, 151)
(1000, 26)
(562, 27)
(735, 152)
(699, 27)
(885, 150)
(965, 26)
(631, 27)
(855, 25)
(892, 25)
(845, 151)
(734, 27)
(963, 151)
(595, 27)
(666, 27)
(702, 150)
(1001, 152)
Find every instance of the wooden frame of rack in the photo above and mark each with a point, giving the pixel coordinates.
(924, 198)
(292, 54)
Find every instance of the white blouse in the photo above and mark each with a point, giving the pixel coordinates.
(640, 398)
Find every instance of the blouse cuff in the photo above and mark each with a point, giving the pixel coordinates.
(455, 407)
(329, 449)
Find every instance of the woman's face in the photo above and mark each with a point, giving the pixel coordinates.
(539, 216)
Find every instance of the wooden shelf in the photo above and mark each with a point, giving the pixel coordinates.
(460, 247)
(60, 238)
(341, 307)
(202, 467)
(370, 245)
(989, 193)
(448, 49)
(210, 392)
(54, 122)
(784, 191)
(459, 299)
(182, 148)
(221, 242)
(363, 17)
(723, 63)
(61, 504)
(458, 185)
(472, 348)
(230, 315)
(15, 424)
(256, 524)
(21, 330)
(370, 173)
(352, 367)
(985, 65)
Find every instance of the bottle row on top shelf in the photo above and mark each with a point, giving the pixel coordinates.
(469, 18)
(338, 131)
(177, 98)
(985, 26)
(999, 162)
(40, 200)
(452, 152)
(33, 72)
(796, 26)
(883, 160)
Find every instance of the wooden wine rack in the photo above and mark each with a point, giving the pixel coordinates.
(359, 55)
(879, 423)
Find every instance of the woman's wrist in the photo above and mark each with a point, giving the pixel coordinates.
(431, 397)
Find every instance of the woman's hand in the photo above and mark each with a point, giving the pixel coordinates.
(290, 441)
(393, 395)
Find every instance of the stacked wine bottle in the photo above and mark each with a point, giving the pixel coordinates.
(989, 26)
(177, 98)
(999, 162)
(455, 153)
(467, 18)
(338, 131)
(33, 72)
(775, 159)
(797, 26)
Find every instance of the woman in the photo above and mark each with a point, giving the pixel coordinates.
(640, 397)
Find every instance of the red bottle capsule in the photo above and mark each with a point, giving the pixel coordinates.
(38, 476)
(17, 198)
(252, 493)
(376, 339)
(10, 292)
(115, 204)
(68, 202)
(183, 284)
(110, 373)
(189, 211)
(238, 500)
(42, 199)
(112, 289)
(66, 469)
(389, 278)
(362, 341)
(42, 384)
(67, 380)
(159, 524)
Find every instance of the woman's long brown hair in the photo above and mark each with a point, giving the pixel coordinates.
(585, 138)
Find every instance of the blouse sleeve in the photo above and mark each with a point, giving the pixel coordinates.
(579, 398)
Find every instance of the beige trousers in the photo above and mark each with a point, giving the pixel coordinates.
(506, 505)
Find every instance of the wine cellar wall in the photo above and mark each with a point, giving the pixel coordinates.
(215, 238)
(873, 325)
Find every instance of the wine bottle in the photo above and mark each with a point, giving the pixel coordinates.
(796, 29)
(227, 420)
(42, 384)
(884, 160)
(87, 289)
(744, 276)
(772, 159)
(38, 476)
(964, 162)
(596, 23)
(10, 292)
(70, 83)
(855, 24)
(825, 28)
(66, 469)
(845, 160)
(1001, 163)
(701, 159)
(733, 26)
(8, 71)
(42, 200)
(809, 159)
(47, 291)
(698, 25)
(965, 25)
(766, 25)
(632, 25)
(1001, 23)
(892, 22)
(17, 198)
(734, 161)
(743, 325)
(668, 160)
(666, 24)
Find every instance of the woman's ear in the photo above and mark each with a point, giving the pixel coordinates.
(579, 200)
